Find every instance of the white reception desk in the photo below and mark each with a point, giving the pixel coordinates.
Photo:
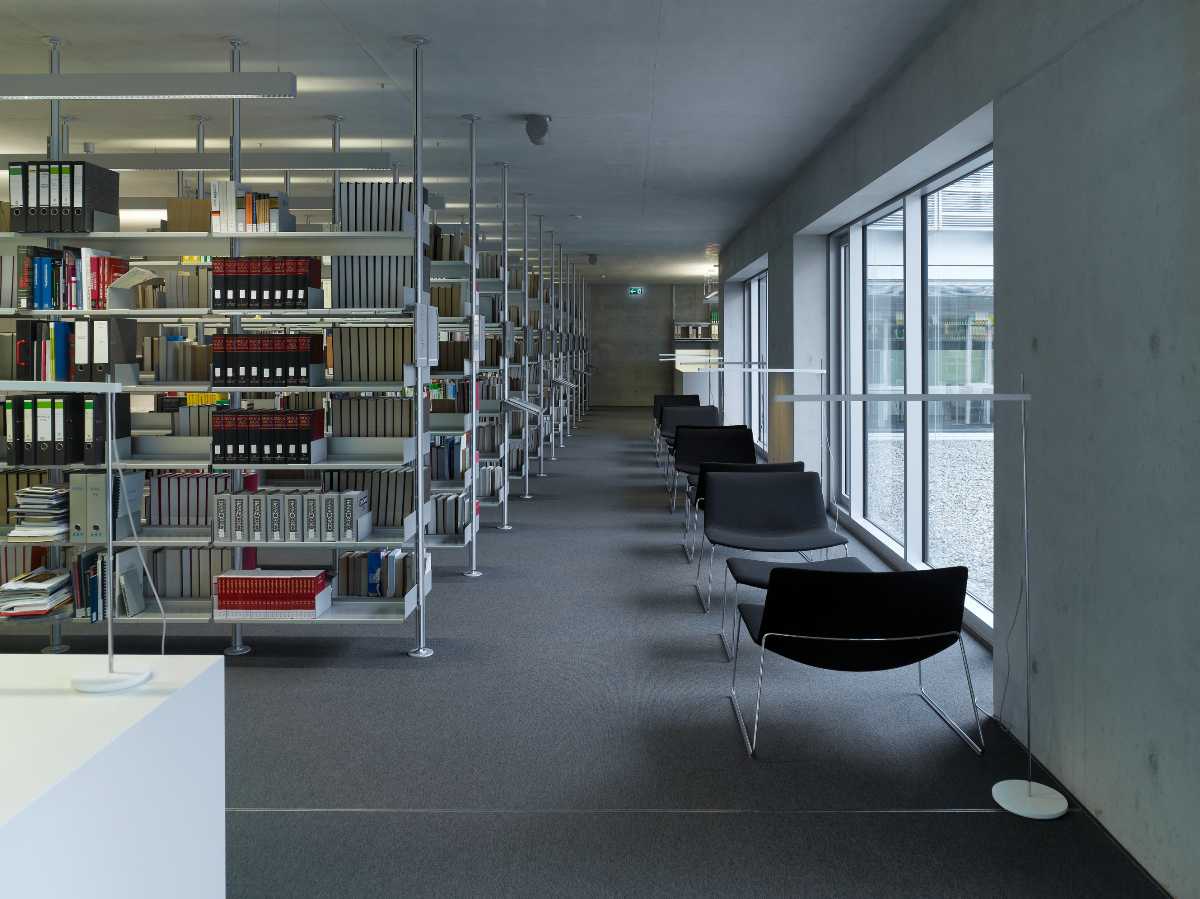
(112, 795)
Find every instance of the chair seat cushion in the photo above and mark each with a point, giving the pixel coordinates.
(796, 541)
(688, 468)
(757, 572)
(752, 613)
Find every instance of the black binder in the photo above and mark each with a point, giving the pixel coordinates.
(18, 193)
(72, 429)
(43, 427)
(83, 351)
(14, 420)
(43, 196)
(28, 425)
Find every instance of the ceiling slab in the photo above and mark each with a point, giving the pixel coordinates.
(673, 121)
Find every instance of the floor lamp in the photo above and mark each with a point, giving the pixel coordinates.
(1027, 797)
(1021, 796)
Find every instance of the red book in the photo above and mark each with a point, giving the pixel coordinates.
(255, 264)
(279, 366)
(241, 278)
(93, 281)
(291, 428)
(218, 282)
(279, 280)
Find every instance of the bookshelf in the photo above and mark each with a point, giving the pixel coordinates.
(152, 452)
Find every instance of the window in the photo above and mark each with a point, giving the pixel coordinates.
(912, 310)
(756, 357)
(960, 325)
(883, 372)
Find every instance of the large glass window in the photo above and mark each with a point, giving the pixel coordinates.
(756, 357)
(925, 485)
(960, 325)
(883, 371)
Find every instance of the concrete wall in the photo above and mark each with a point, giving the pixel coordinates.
(627, 335)
(1097, 262)
(1095, 110)
(689, 303)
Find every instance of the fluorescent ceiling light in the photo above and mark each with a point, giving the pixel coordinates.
(219, 162)
(150, 86)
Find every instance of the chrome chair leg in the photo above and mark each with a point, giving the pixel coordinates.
(977, 748)
(687, 517)
(749, 737)
(706, 601)
(699, 559)
(724, 607)
(689, 521)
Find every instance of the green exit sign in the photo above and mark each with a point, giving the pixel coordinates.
(636, 291)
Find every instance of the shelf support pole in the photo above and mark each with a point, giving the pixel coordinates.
(336, 144)
(562, 359)
(505, 414)
(542, 332)
(554, 290)
(54, 148)
(476, 339)
(421, 650)
(527, 344)
(200, 120)
(236, 647)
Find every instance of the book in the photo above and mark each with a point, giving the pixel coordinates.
(266, 594)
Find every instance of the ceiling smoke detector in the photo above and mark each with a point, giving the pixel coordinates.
(536, 128)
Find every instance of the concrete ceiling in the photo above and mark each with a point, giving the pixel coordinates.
(673, 120)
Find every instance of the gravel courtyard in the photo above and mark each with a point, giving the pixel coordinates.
(960, 499)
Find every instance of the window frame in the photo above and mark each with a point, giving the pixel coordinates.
(896, 543)
(963, 170)
(847, 336)
(840, 359)
(755, 317)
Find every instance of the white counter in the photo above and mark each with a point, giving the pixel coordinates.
(117, 794)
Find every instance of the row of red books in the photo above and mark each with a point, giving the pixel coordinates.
(270, 591)
(264, 282)
(266, 437)
(279, 360)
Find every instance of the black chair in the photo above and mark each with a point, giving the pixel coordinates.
(695, 444)
(854, 621)
(689, 416)
(696, 485)
(757, 573)
(661, 400)
(780, 512)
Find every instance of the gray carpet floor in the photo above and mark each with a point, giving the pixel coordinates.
(573, 736)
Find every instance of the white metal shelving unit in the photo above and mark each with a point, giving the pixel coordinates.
(153, 453)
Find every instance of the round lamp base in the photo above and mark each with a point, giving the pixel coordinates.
(1030, 799)
(109, 681)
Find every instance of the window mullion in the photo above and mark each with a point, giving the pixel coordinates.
(914, 378)
(854, 347)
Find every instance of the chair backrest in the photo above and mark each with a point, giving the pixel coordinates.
(694, 444)
(870, 621)
(700, 416)
(707, 468)
(764, 503)
(673, 399)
